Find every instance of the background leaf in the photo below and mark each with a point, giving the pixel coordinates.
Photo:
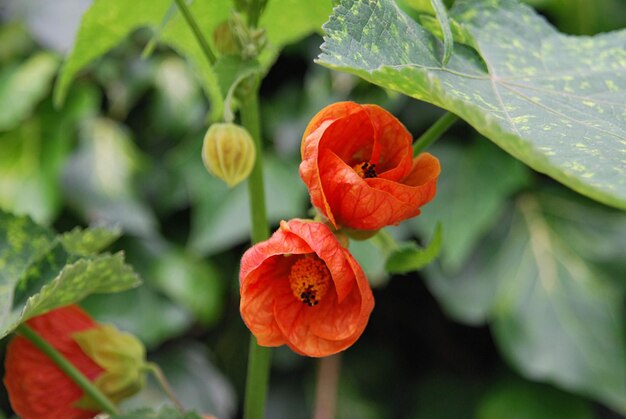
(557, 103)
(554, 313)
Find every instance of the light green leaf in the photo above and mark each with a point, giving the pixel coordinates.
(555, 102)
(38, 274)
(24, 86)
(555, 315)
(104, 25)
(411, 257)
(475, 183)
(288, 21)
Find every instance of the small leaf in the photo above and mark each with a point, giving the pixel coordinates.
(23, 87)
(231, 70)
(410, 257)
(163, 413)
(444, 24)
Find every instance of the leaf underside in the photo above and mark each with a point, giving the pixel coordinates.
(555, 102)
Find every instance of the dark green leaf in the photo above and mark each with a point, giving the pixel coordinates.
(24, 86)
(555, 102)
(411, 257)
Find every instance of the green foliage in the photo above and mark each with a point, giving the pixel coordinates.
(40, 273)
(444, 25)
(552, 101)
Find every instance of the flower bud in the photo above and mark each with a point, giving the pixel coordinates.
(224, 39)
(228, 152)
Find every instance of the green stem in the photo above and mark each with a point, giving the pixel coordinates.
(156, 370)
(69, 369)
(193, 25)
(433, 133)
(259, 357)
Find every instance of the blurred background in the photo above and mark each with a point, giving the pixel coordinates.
(124, 150)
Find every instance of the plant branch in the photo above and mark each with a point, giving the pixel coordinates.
(69, 369)
(259, 357)
(193, 25)
(433, 133)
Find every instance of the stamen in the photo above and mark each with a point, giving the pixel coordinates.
(365, 170)
(309, 279)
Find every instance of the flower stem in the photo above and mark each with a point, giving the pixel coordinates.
(327, 387)
(156, 370)
(193, 25)
(433, 133)
(258, 356)
(69, 369)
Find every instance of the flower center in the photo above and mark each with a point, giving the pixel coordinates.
(365, 169)
(309, 279)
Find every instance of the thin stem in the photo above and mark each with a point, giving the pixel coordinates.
(251, 121)
(433, 133)
(193, 25)
(327, 386)
(69, 369)
(259, 357)
(156, 370)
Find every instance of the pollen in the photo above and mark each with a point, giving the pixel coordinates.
(365, 170)
(309, 279)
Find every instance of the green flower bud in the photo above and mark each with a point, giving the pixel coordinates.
(224, 39)
(228, 152)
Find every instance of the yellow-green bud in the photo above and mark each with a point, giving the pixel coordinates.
(228, 152)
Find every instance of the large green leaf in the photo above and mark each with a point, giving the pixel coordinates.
(40, 271)
(107, 22)
(555, 313)
(556, 102)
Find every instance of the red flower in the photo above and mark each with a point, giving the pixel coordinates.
(357, 161)
(303, 289)
(112, 360)
(37, 388)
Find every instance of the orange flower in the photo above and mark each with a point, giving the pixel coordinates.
(303, 289)
(38, 389)
(357, 161)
